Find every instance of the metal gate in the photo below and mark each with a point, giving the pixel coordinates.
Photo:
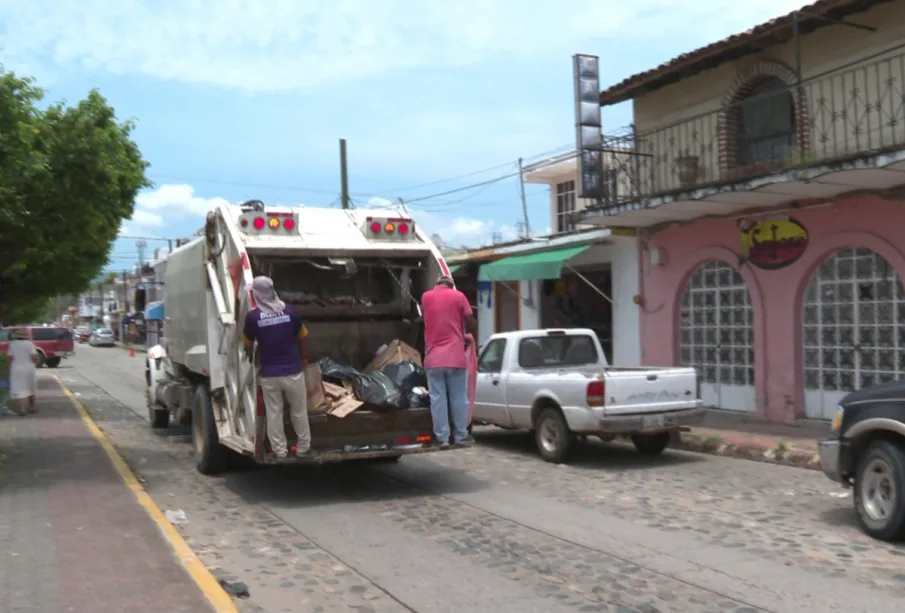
(716, 336)
(853, 328)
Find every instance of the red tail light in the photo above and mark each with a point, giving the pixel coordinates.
(375, 227)
(244, 223)
(596, 395)
(404, 440)
(403, 228)
(259, 223)
(289, 223)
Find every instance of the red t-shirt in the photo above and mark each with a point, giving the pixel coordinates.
(444, 310)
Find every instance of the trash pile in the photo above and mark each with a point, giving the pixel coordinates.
(394, 380)
(306, 299)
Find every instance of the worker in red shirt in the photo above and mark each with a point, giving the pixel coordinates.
(447, 318)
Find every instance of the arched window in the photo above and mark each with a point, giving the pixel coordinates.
(766, 127)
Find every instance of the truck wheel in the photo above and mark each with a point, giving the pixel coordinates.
(42, 359)
(211, 456)
(880, 491)
(53, 362)
(651, 444)
(553, 437)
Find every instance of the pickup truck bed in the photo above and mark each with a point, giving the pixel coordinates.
(558, 384)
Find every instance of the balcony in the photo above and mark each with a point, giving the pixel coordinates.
(836, 133)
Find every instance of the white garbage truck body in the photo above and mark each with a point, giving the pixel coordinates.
(354, 276)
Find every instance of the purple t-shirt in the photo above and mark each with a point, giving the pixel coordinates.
(277, 335)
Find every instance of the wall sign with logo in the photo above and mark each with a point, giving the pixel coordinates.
(771, 242)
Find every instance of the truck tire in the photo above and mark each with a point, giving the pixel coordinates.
(211, 456)
(651, 444)
(879, 494)
(552, 435)
(42, 359)
(53, 362)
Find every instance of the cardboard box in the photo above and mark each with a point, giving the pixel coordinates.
(396, 351)
(318, 403)
(342, 400)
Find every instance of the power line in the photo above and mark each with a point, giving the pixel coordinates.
(293, 188)
(483, 183)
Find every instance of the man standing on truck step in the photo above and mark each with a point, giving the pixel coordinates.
(447, 315)
(283, 350)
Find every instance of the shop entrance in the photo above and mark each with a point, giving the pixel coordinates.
(576, 302)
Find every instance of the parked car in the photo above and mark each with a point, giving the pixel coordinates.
(558, 384)
(54, 343)
(82, 335)
(867, 453)
(102, 337)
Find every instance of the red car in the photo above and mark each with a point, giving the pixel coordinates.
(54, 344)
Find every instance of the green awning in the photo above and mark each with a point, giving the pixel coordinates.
(530, 266)
(453, 268)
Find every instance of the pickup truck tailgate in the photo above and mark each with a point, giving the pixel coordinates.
(649, 390)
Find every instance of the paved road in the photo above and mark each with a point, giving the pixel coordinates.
(496, 529)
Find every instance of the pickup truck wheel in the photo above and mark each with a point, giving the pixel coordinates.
(651, 444)
(880, 491)
(211, 456)
(53, 362)
(554, 439)
(42, 359)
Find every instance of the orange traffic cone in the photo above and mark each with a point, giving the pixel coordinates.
(131, 351)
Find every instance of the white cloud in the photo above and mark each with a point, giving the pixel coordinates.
(284, 45)
(167, 203)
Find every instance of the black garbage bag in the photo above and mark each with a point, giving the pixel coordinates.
(335, 371)
(409, 377)
(418, 398)
(378, 391)
(406, 375)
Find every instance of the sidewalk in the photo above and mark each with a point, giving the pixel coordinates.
(742, 435)
(73, 535)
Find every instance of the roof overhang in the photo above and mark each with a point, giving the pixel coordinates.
(822, 182)
(769, 34)
(553, 170)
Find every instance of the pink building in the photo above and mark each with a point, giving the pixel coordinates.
(767, 195)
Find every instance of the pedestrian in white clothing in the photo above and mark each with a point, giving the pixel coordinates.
(23, 371)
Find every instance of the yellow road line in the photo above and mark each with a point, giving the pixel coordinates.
(218, 598)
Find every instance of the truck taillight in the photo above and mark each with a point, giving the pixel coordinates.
(259, 223)
(289, 223)
(403, 228)
(596, 394)
(375, 227)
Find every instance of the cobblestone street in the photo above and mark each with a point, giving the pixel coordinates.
(494, 528)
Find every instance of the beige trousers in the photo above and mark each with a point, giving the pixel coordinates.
(289, 390)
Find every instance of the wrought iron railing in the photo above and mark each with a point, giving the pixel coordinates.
(834, 117)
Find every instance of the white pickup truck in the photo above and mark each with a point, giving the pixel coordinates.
(558, 384)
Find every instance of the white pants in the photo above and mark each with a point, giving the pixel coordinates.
(279, 391)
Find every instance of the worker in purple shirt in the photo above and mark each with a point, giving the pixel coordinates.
(283, 351)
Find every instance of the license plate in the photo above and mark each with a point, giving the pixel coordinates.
(653, 422)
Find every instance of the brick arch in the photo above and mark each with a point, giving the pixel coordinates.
(741, 87)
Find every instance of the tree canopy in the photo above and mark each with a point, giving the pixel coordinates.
(69, 176)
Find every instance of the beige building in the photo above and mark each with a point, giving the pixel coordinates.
(560, 173)
(767, 192)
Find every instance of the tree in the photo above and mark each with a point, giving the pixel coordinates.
(68, 178)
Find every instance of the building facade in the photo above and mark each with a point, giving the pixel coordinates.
(579, 276)
(767, 193)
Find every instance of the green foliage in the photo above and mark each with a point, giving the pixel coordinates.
(68, 178)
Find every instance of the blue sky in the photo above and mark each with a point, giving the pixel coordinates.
(239, 100)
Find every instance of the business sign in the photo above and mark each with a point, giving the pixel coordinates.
(589, 140)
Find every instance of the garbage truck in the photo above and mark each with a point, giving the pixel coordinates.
(354, 276)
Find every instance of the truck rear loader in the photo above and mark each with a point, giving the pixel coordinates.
(354, 276)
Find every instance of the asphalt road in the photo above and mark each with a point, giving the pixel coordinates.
(496, 529)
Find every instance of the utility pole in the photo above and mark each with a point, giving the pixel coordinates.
(141, 255)
(343, 173)
(521, 182)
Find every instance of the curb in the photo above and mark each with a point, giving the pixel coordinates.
(715, 445)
